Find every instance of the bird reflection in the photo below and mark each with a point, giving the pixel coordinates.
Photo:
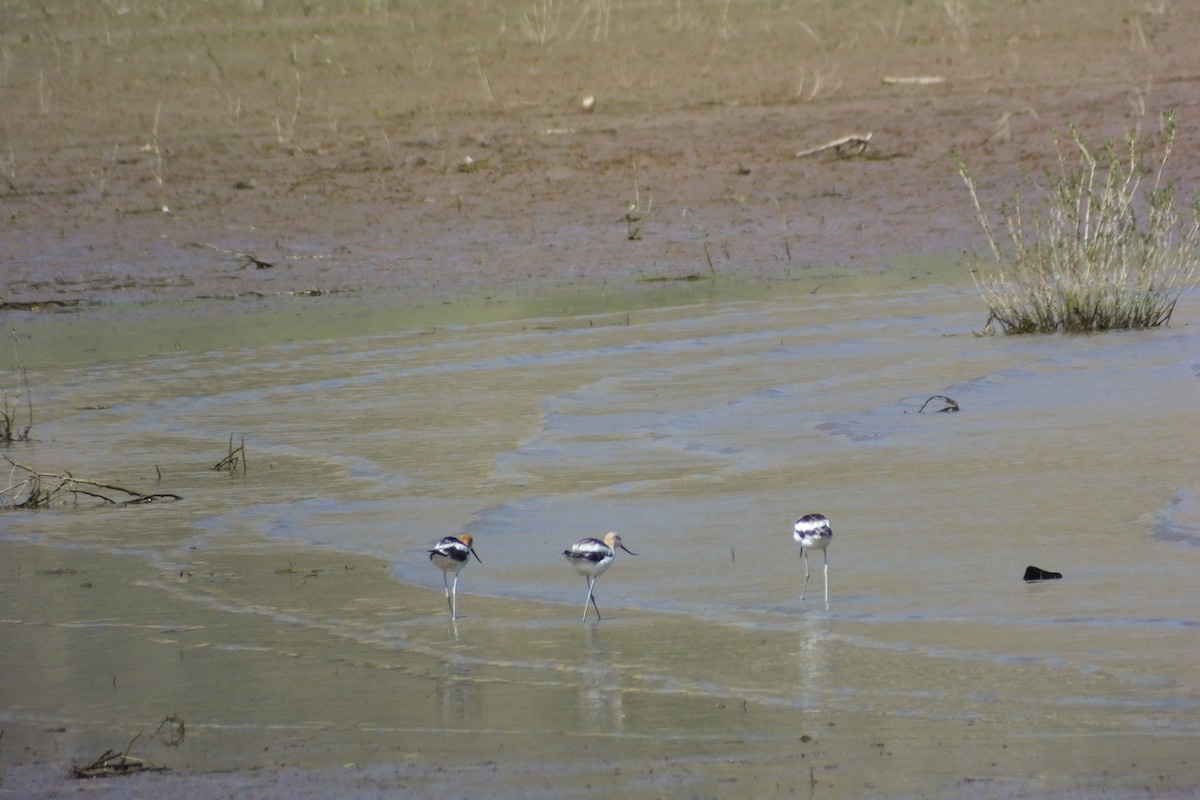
(815, 661)
(601, 706)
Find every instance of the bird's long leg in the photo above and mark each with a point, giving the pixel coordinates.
(804, 552)
(446, 583)
(826, 554)
(593, 594)
(591, 581)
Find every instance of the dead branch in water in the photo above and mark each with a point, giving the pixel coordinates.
(951, 404)
(237, 455)
(853, 145)
(28, 488)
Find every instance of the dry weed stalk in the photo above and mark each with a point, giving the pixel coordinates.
(541, 22)
(10, 429)
(236, 457)
(634, 215)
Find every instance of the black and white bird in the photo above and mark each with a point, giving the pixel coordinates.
(451, 555)
(814, 532)
(590, 558)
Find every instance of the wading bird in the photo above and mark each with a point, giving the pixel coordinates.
(451, 555)
(814, 532)
(590, 558)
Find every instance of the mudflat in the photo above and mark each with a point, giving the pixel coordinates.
(241, 149)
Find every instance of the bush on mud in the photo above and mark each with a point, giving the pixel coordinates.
(1103, 248)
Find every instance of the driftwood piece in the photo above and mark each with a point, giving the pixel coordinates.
(852, 145)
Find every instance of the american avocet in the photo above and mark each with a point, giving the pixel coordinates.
(590, 558)
(814, 532)
(451, 555)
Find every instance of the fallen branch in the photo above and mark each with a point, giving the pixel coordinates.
(28, 488)
(853, 145)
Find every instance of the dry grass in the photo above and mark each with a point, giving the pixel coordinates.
(1103, 247)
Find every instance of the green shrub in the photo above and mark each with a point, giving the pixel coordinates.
(1101, 249)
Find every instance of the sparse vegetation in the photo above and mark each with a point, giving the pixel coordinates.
(541, 21)
(1105, 247)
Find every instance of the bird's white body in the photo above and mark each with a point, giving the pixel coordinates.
(591, 558)
(451, 555)
(813, 532)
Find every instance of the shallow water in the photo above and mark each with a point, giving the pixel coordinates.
(700, 432)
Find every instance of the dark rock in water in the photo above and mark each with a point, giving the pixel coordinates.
(1039, 574)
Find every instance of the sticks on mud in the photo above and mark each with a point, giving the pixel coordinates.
(112, 764)
(852, 145)
(251, 259)
(237, 455)
(28, 488)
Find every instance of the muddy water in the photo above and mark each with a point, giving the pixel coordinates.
(289, 613)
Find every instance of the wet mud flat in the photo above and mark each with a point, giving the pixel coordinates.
(289, 617)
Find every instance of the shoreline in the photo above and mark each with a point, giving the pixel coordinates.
(105, 331)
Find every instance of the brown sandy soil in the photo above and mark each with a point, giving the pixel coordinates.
(161, 150)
